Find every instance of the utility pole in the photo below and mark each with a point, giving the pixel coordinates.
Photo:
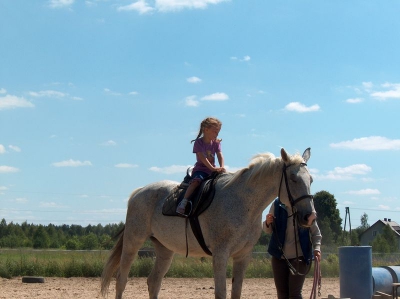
(345, 219)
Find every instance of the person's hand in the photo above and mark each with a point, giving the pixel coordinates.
(220, 169)
(317, 255)
(269, 219)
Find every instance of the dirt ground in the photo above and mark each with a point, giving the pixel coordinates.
(172, 288)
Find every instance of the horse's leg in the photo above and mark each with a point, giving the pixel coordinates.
(130, 248)
(163, 262)
(239, 268)
(220, 261)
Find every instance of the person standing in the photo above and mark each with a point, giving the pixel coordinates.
(206, 147)
(292, 249)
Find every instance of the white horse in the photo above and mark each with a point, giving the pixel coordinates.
(231, 226)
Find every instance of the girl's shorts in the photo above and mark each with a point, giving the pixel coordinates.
(199, 176)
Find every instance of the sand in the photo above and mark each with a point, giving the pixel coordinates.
(172, 288)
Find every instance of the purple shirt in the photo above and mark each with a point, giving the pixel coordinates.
(208, 151)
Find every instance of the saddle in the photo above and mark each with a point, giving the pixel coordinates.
(200, 201)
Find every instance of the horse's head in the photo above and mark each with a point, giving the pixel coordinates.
(295, 186)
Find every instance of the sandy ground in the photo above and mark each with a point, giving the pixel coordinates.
(172, 288)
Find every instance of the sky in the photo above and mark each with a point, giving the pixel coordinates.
(100, 97)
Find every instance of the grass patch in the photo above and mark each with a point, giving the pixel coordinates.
(59, 263)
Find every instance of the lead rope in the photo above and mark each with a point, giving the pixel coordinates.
(316, 281)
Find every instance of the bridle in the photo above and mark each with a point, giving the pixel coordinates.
(293, 202)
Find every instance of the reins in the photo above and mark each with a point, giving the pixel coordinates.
(316, 280)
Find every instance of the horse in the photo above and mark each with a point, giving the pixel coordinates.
(231, 225)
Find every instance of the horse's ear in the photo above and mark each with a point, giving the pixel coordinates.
(307, 154)
(284, 155)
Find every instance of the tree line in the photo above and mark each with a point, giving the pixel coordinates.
(70, 237)
(76, 237)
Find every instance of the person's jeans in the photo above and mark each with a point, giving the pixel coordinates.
(288, 286)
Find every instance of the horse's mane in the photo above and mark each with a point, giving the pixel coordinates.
(263, 163)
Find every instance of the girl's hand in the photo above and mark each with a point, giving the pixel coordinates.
(220, 169)
(269, 219)
(317, 255)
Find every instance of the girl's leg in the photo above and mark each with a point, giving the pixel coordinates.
(296, 281)
(281, 277)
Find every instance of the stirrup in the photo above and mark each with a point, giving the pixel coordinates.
(186, 207)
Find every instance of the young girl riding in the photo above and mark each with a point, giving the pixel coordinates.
(206, 146)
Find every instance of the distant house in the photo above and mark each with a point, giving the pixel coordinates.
(374, 230)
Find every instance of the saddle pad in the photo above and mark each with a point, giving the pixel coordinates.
(171, 202)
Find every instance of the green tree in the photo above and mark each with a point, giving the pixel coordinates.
(41, 238)
(380, 245)
(325, 205)
(364, 221)
(90, 242)
(72, 244)
(390, 236)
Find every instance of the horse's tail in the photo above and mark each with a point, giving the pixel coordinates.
(112, 263)
(114, 259)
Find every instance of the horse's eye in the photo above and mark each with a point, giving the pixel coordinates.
(293, 178)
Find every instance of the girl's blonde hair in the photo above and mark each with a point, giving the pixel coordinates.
(207, 123)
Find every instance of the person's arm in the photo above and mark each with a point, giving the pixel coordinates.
(316, 239)
(267, 224)
(221, 161)
(207, 163)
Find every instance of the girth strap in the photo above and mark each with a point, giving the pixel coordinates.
(195, 224)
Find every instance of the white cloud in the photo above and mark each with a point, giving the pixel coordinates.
(2, 91)
(393, 93)
(191, 101)
(11, 102)
(109, 143)
(45, 204)
(2, 149)
(193, 80)
(3, 188)
(372, 143)
(140, 6)
(170, 169)
(71, 163)
(383, 207)
(298, 107)
(244, 59)
(174, 5)
(218, 96)
(143, 7)
(133, 93)
(367, 85)
(354, 100)
(14, 148)
(365, 192)
(47, 94)
(125, 165)
(76, 99)
(60, 3)
(110, 92)
(8, 169)
(20, 200)
(343, 173)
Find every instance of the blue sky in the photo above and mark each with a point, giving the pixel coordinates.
(100, 97)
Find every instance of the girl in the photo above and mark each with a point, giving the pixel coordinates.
(283, 245)
(206, 146)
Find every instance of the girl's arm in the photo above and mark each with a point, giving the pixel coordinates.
(220, 157)
(207, 163)
(267, 227)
